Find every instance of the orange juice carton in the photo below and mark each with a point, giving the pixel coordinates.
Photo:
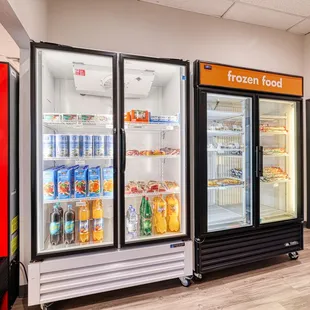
(65, 182)
(94, 182)
(140, 116)
(107, 177)
(50, 183)
(80, 182)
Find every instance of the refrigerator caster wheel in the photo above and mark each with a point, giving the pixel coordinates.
(45, 306)
(185, 282)
(293, 255)
(197, 277)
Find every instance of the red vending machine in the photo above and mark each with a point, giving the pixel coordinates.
(9, 186)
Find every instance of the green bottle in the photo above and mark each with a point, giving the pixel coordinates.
(146, 217)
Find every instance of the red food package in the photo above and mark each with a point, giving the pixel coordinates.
(132, 153)
(134, 188)
(155, 186)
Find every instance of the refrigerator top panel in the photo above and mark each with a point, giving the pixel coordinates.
(219, 75)
(74, 142)
(155, 195)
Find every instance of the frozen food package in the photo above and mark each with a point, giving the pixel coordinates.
(172, 186)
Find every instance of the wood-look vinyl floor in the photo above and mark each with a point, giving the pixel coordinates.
(273, 284)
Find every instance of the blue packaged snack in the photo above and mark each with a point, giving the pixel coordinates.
(74, 145)
(80, 182)
(65, 182)
(107, 181)
(99, 149)
(108, 145)
(86, 145)
(50, 183)
(94, 184)
(48, 146)
(62, 145)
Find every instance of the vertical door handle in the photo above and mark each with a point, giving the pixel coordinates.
(261, 161)
(123, 147)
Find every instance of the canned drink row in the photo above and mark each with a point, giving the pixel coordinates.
(74, 146)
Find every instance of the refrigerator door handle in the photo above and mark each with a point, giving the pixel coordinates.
(123, 139)
(257, 172)
(261, 162)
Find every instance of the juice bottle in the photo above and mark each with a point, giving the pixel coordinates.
(173, 213)
(98, 220)
(84, 222)
(160, 214)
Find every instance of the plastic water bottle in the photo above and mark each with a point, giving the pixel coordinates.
(131, 222)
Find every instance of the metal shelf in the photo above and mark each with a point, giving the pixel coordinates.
(271, 117)
(151, 194)
(224, 133)
(222, 115)
(79, 158)
(154, 156)
(77, 199)
(151, 126)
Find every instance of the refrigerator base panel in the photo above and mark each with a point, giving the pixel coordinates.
(237, 248)
(69, 277)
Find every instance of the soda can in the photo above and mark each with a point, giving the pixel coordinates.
(62, 145)
(87, 145)
(74, 145)
(48, 146)
(108, 145)
(98, 145)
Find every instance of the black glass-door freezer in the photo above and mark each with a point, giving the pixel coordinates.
(248, 171)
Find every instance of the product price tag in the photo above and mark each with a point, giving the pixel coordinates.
(80, 162)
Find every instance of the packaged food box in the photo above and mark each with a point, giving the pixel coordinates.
(108, 145)
(65, 182)
(139, 116)
(87, 118)
(50, 183)
(74, 146)
(99, 149)
(62, 145)
(94, 179)
(127, 117)
(104, 118)
(52, 118)
(86, 145)
(49, 145)
(80, 182)
(69, 118)
(107, 180)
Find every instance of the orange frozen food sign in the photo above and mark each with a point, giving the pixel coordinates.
(234, 77)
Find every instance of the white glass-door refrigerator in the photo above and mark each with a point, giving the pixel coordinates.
(110, 172)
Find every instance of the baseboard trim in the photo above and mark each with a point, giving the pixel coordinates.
(23, 291)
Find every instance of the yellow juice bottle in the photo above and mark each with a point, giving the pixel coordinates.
(173, 213)
(160, 214)
(98, 233)
(83, 222)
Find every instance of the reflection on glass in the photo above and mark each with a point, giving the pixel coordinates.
(278, 139)
(75, 151)
(155, 197)
(229, 135)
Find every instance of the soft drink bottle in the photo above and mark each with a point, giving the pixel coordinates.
(160, 214)
(173, 211)
(131, 222)
(84, 222)
(146, 218)
(61, 213)
(98, 233)
(69, 226)
(55, 226)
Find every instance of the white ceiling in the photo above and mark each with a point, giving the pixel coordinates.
(289, 15)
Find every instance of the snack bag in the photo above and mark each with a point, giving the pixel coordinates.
(80, 182)
(159, 215)
(94, 182)
(107, 177)
(173, 213)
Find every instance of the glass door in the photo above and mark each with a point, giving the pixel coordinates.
(228, 155)
(74, 138)
(154, 142)
(278, 153)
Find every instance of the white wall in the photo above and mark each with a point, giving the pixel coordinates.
(136, 27)
(32, 15)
